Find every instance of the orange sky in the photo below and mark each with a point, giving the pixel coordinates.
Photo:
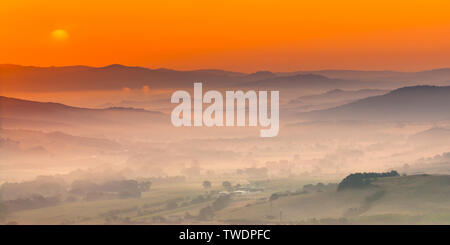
(242, 35)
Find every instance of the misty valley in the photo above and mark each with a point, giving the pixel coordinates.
(353, 147)
(215, 113)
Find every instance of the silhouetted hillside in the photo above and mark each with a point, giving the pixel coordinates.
(419, 103)
(362, 180)
(18, 109)
(436, 135)
(338, 95)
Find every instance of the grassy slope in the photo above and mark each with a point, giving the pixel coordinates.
(403, 200)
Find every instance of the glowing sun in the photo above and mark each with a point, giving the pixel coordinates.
(60, 35)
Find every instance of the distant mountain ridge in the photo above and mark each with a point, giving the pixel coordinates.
(111, 77)
(29, 78)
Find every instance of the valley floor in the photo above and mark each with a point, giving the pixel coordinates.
(415, 199)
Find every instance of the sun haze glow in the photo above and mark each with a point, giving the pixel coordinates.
(60, 35)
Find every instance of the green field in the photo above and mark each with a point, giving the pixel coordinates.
(416, 199)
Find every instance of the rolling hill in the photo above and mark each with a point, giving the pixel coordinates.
(417, 103)
(22, 111)
(338, 95)
(415, 199)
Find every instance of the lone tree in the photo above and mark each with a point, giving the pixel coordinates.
(206, 184)
(226, 185)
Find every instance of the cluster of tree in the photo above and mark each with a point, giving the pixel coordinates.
(200, 199)
(227, 185)
(207, 184)
(110, 189)
(361, 180)
(41, 186)
(116, 215)
(48, 191)
(36, 201)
